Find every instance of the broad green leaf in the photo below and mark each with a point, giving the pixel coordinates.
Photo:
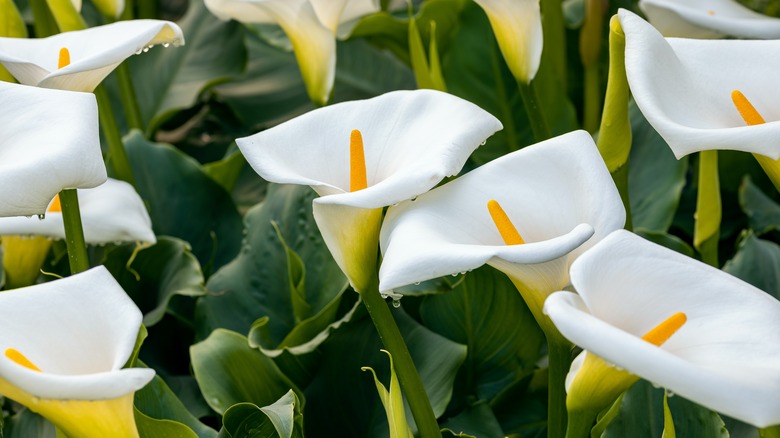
(668, 240)
(153, 275)
(757, 261)
(28, 424)
(642, 416)
(281, 419)
(655, 178)
(477, 420)
(228, 371)
(169, 80)
(486, 313)
(256, 284)
(763, 213)
(151, 427)
(475, 70)
(184, 202)
(157, 401)
(363, 71)
(393, 402)
(227, 170)
(358, 412)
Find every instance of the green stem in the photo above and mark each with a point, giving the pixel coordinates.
(592, 108)
(534, 112)
(706, 231)
(127, 94)
(554, 34)
(74, 233)
(410, 381)
(579, 424)
(116, 150)
(620, 177)
(769, 432)
(559, 350)
(147, 8)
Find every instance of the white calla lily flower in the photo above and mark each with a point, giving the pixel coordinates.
(674, 321)
(93, 53)
(558, 195)
(413, 139)
(517, 25)
(311, 26)
(708, 19)
(63, 347)
(111, 212)
(36, 163)
(684, 88)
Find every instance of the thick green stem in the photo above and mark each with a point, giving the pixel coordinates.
(534, 112)
(559, 350)
(74, 233)
(706, 231)
(592, 108)
(116, 150)
(127, 94)
(410, 381)
(580, 423)
(554, 51)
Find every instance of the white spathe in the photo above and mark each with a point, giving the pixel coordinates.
(517, 25)
(311, 26)
(50, 142)
(708, 19)
(412, 140)
(558, 194)
(684, 86)
(725, 357)
(94, 53)
(80, 331)
(112, 212)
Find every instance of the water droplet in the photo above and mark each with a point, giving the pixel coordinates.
(396, 303)
(166, 45)
(454, 274)
(41, 217)
(669, 393)
(462, 272)
(414, 199)
(146, 49)
(416, 283)
(384, 296)
(483, 142)
(139, 51)
(655, 385)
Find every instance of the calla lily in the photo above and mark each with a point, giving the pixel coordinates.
(64, 344)
(93, 53)
(36, 163)
(709, 19)
(674, 321)
(558, 194)
(111, 212)
(413, 139)
(517, 25)
(689, 100)
(311, 26)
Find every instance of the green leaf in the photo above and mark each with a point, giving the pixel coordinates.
(393, 402)
(763, 213)
(28, 424)
(486, 313)
(757, 262)
(641, 415)
(157, 401)
(363, 71)
(228, 371)
(256, 284)
(227, 170)
(151, 427)
(477, 420)
(655, 178)
(152, 276)
(281, 419)
(668, 420)
(668, 240)
(201, 212)
(169, 80)
(359, 412)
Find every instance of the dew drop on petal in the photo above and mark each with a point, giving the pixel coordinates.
(396, 303)
(166, 45)
(416, 283)
(41, 217)
(669, 393)
(139, 51)
(146, 49)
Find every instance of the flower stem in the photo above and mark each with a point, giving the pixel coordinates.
(592, 108)
(410, 381)
(554, 51)
(769, 432)
(580, 424)
(116, 150)
(127, 94)
(706, 231)
(534, 112)
(559, 350)
(74, 233)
